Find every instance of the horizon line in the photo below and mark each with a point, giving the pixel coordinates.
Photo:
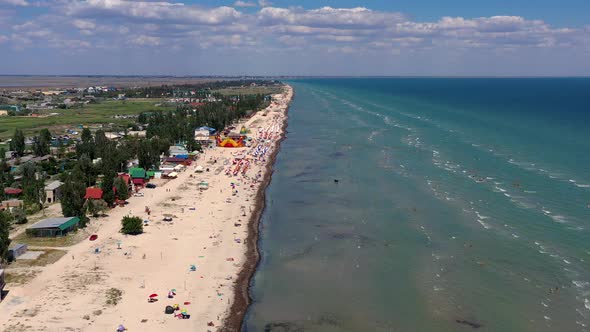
(293, 76)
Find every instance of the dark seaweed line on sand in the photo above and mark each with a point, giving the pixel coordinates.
(234, 320)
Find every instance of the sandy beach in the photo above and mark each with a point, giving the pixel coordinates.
(210, 229)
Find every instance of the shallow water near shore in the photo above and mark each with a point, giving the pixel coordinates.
(460, 204)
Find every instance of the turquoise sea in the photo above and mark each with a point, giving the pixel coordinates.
(461, 204)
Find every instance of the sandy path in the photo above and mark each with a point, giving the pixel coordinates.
(70, 295)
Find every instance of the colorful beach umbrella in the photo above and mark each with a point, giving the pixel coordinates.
(153, 295)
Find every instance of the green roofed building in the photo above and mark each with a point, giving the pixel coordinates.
(53, 227)
(138, 173)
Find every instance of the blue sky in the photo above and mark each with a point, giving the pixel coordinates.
(286, 37)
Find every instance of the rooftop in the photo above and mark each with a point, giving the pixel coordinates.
(93, 193)
(54, 185)
(61, 223)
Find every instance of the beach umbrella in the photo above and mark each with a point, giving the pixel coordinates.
(153, 295)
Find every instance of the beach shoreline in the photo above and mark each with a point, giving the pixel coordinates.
(242, 299)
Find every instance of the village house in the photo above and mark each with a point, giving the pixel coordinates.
(138, 176)
(53, 192)
(12, 204)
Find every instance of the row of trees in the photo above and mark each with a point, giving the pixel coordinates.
(179, 125)
(41, 143)
(181, 90)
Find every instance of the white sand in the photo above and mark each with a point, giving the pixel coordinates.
(158, 260)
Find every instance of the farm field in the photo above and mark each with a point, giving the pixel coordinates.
(103, 112)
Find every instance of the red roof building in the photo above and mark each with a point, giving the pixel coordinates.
(93, 193)
(13, 191)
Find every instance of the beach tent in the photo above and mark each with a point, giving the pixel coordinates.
(203, 185)
(199, 169)
(173, 175)
(230, 143)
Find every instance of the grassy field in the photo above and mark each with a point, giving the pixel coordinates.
(103, 112)
(250, 90)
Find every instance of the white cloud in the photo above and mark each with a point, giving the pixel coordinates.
(144, 40)
(84, 24)
(329, 17)
(264, 3)
(23, 3)
(152, 11)
(241, 3)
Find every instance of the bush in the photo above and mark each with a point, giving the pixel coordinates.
(19, 216)
(131, 225)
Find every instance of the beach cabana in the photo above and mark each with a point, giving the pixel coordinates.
(53, 227)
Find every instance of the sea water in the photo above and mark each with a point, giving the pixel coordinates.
(459, 204)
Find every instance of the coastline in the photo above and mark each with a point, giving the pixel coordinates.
(242, 299)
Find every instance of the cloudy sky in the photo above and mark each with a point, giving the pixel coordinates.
(289, 37)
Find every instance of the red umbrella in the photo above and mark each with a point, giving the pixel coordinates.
(153, 295)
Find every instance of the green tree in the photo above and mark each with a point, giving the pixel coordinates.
(42, 143)
(107, 185)
(4, 233)
(122, 189)
(131, 225)
(88, 170)
(30, 184)
(19, 215)
(73, 192)
(61, 149)
(87, 145)
(101, 142)
(96, 207)
(18, 143)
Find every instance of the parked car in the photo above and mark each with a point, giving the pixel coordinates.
(150, 186)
